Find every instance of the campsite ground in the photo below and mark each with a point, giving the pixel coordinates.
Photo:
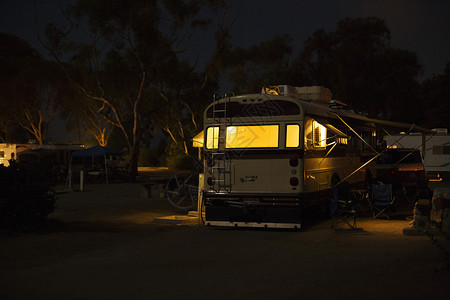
(102, 243)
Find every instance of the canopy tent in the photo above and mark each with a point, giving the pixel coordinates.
(97, 151)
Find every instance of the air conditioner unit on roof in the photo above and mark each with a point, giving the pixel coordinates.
(284, 90)
(314, 93)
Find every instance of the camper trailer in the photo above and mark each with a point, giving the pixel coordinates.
(269, 155)
(33, 153)
(10, 152)
(434, 148)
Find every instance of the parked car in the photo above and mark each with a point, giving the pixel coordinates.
(402, 167)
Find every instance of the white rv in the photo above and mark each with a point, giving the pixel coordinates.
(11, 151)
(435, 149)
(53, 154)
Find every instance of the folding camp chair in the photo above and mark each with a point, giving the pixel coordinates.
(414, 193)
(343, 210)
(382, 200)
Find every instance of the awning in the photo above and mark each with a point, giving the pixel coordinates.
(411, 127)
(336, 131)
(197, 141)
(96, 151)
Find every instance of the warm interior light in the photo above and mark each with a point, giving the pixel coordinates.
(260, 136)
(342, 141)
(197, 141)
(212, 137)
(319, 135)
(292, 136)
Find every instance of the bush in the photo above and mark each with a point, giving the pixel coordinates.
(175, 158)
(26, 197)
(148, 157)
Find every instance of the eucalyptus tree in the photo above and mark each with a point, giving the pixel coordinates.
(129, 61)
(435, 97)
(266, 63)
(32, 89)
(358, 63)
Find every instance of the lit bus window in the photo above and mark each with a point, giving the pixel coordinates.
(212, 137)
(292, 136)
(339, 137)
(263, 136)
(319, 135)
(341, 141)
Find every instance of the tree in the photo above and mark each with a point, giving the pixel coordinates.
(31, 87)
(435, 95)
(98, 126)
(133, 48)
(264, 64)
(357, 63)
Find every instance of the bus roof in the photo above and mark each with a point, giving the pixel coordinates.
(320, 109)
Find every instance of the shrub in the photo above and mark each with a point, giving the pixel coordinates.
(148, 157)
(26, 197)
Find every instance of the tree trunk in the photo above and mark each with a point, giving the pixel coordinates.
(134, 157)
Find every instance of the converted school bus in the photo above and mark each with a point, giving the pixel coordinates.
(269, 155)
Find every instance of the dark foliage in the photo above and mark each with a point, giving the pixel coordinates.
(26, 197)
(435, 93)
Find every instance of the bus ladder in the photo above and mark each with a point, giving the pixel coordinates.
(221, 168)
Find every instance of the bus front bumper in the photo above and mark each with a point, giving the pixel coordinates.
(274, 211)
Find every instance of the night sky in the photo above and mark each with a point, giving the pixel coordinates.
(421, 26)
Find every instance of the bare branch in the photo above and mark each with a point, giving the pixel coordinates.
(164, 96)
(97, 70)
(188, 107)
(167, 129)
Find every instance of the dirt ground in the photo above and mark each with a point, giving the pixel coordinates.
(103, 244)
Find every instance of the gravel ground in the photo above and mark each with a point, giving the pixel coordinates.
(102, 243)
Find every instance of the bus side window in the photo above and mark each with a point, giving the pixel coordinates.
(308, 134)
(343, 142)
(292, 136)
(212, 137)
(356, 143)
(315, 135)
(369, 138)
(319, 135)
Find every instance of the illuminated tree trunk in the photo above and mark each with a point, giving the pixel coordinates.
(35, 126)
(97, 127)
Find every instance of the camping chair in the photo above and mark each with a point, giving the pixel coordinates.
(415, 193)
(382, 200)
(342, 207)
